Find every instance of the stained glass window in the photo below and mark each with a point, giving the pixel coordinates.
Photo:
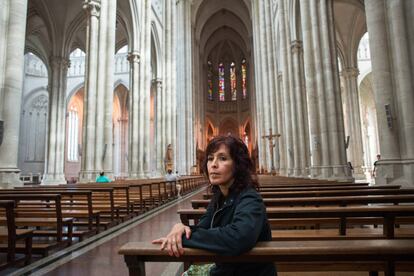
(221, 82)
(210, 80)
(244, 78)
(233, 81)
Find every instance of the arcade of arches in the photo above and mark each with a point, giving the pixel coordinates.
(105, 85)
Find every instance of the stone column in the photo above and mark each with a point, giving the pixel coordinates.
(299, 109)
(260, 123)
(169, 87)
(286, 81)
(133, 130)
(108, 94)
(355, 150)
(12, 43)
(88, 170)
(393, 87)
(264, 79)
(144, 92)
(322, 84)
(281, 143)
(184, 85)
(54, 172)
(160, 151)
(311, 90)
(271, 77)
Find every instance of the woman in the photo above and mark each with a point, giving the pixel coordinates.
(236, 216)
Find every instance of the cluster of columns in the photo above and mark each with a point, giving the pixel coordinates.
(12, 41)
(392, 52)
(265, 83)
(353, 128)
(299, 94)
(185, 112)
(56, 120)
(98, 99)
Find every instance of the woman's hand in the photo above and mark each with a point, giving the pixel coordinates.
(173, 242)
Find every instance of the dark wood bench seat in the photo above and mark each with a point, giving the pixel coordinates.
(324, 188)
(313, 193)
(321, 201)
(372, 255)
(388, 214)
(10, 235)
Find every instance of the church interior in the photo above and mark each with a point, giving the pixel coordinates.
(319, 91)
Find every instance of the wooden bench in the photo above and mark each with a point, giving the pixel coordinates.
(81, 211)
(325, 188)
(10, 235)
(52, 219)
(321, 201)
(370, 255)
(387, 214)
(313, 193)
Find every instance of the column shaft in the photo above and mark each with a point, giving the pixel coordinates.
(54, 173)
(89, 141)
(11, 86)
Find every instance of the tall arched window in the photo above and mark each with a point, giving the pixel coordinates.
(233, 81)
(221, 82)
(210, 80)
(244, 78)
(73, 128)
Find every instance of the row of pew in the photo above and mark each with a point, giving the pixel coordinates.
(38, 220)
(316, 226)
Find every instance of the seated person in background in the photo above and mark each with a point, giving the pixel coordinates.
(236, 216)
(170, 176)
(102, 178)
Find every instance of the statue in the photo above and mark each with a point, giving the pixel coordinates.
(168, 159)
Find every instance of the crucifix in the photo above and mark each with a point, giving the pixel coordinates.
(271, 146)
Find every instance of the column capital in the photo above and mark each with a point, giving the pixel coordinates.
(296, 46)
(92, 7)
(134, 57)
(58, 61)
(350, 72)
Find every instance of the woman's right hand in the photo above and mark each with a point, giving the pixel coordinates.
(173, 241)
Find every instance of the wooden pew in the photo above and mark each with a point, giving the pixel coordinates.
(388, 215)
(371, 255)
(321, 201)
(312, 193)
(327, 188)
(10, 236)
(100, 201)
(70, 208)
(52, 219)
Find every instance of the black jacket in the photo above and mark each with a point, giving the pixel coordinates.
(233, 229)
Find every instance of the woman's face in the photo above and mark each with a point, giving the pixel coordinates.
(220, 167)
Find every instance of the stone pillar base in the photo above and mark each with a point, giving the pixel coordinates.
(339, 173)
(359, 173)
(52, 179)
(10, 178)
(395, 171)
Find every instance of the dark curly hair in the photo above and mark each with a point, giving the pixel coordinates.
(243, 171)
